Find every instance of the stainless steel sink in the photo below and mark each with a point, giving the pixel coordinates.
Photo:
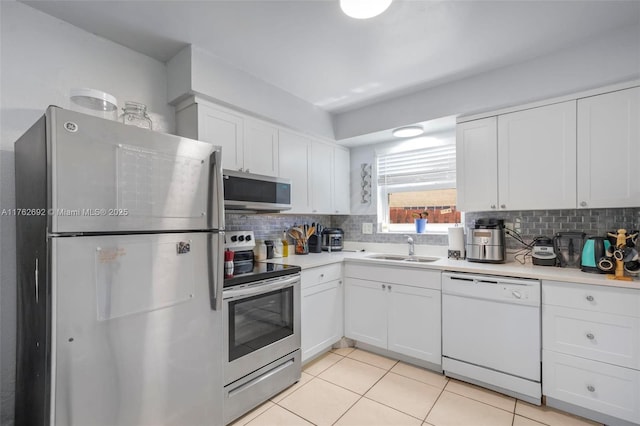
(421, 259)
(401, 258)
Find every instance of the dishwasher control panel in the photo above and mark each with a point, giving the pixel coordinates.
(490, 287)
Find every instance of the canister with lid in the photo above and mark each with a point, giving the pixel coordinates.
(260, 250)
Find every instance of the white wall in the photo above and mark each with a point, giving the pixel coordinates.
(193, 71)
(41, 59)
(599, 62)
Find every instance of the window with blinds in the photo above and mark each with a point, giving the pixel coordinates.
(413, 182)
(429, 168)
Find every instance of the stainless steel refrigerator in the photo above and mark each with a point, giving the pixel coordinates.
(120, 275)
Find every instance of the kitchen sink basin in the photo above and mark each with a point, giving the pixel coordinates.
(401, 258)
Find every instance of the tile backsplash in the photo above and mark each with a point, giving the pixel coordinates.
(547, 223)
(533, 223)
(270, 226)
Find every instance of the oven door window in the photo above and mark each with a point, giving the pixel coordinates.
(258, 321)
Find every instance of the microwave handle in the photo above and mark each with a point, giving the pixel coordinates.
(216, 191)
(215, 266)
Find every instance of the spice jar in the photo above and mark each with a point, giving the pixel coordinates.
(136, 115)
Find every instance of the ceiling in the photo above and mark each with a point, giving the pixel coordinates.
(311, 50)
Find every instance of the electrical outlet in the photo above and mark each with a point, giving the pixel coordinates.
(367, 228)
(517, 225)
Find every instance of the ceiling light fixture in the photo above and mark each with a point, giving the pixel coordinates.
(364, 9)
(408, 131)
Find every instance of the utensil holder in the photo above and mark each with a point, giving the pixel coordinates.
(302, 247)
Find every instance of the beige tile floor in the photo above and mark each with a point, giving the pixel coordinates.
(351, 387)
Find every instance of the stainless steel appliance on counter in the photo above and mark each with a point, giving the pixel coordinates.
(491, 333)
(486, 242)
(332, 239)
(261, 328)
(245, 191)
(119, 239)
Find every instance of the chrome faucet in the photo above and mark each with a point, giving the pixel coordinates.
(411, 245)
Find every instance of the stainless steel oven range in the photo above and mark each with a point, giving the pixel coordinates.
(261, 309)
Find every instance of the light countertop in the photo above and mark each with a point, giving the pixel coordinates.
(511, 269)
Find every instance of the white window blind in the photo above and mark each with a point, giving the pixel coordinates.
(425, 168)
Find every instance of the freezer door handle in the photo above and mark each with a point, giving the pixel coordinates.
(36, 280)
(216, 191)
(215, 265)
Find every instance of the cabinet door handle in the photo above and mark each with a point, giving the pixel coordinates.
(591, 388)
(321, 275)
(590, 336)
(240, 169)
(389, 287)
(384, 286)
(493, 206)
(590, 298)
(583, 204)
(503, 206)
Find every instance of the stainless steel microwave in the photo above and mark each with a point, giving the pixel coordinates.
(251, 192)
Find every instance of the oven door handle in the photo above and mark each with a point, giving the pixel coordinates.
(260, 288)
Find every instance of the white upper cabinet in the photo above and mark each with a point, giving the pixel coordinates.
(537, 158)
(247, 144)
(222, 128)
(341, 181)
(295, 153)
(321, 177)
(609, 150)
(477, 165)
(553, 155)
(260, 148)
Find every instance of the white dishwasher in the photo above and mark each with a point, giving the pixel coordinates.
(491, 333)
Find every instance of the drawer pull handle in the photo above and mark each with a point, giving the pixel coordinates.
(590, 298)
(321, 275)
(591, 388)
(590, 336)
(389, 287)
(384, 286)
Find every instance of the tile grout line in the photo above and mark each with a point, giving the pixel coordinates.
(286, 409)
(435, 402)
(361, 396)
(482, 402)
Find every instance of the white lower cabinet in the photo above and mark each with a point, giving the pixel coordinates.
(597, 386)
(591, 348)
(366, 311)
(392, 315)
(322, 313)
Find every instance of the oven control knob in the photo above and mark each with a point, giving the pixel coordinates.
(248, 238)
(234, 238)
(241, 238)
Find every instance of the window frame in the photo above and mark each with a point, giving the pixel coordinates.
(383, 212)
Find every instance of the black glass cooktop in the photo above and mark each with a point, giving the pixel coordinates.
(260, 271)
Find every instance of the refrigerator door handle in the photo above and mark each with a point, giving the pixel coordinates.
(216, 191)
(215, 264)
(36, 280)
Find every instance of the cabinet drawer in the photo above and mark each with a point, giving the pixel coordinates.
(599, 336)
(590, 384)
(613, 300)
(416, 277)
(321, 274)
